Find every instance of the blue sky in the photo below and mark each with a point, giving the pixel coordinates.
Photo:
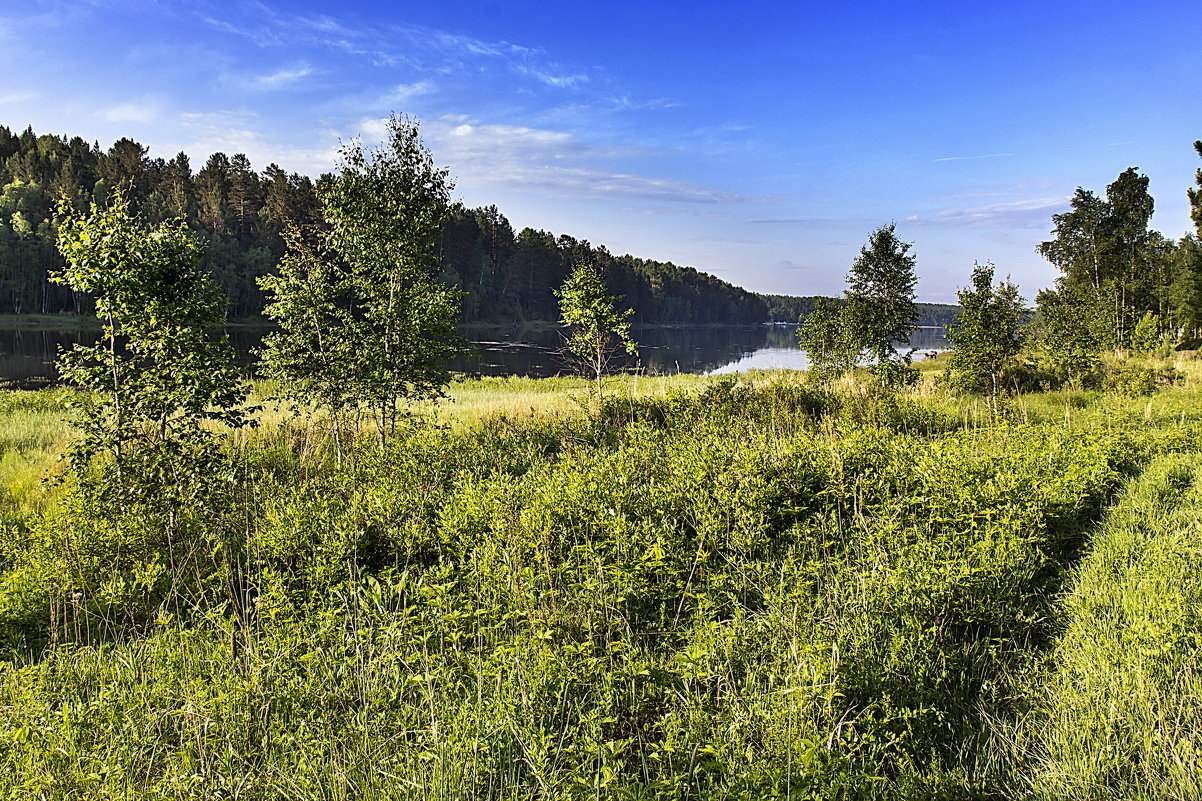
(759, 141)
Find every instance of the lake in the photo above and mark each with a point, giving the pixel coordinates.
(27, 354)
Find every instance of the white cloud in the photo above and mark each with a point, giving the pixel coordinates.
(282, 78)
(559, 81)
(17, 97)
(400, 95)
(1027, 213)
(425, 49)
(263, 37)
(551, 162)
(370, 130)
(130, 112)
(230, 132)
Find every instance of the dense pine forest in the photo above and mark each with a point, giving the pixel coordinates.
(505, 275)
(790, 309)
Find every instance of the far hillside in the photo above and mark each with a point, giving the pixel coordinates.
(506, 276)
(791, 309)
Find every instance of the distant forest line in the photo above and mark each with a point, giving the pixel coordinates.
(505, 276)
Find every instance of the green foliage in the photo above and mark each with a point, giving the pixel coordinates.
(988, 335)
(365, 320)
(157, 372)
(895, 374)
(505, 276)
(1146, 339)
(146, 472)
(827, 335)
(1072, 329)
(315, 352)
(1137, 379)
(1195, 195)
(741, 591)
(880, 288)
(877, 312)
(1104, 248)
(597, 330)
(1185, 291)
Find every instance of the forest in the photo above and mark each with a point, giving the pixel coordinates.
(505, 276)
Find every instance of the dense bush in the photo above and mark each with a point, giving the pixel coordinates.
(772, 591)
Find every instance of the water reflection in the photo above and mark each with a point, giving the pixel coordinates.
(27, 355)
(784, 354)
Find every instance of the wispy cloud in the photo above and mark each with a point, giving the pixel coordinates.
(130, 112)
(404, 93)
(232, 132)
(281, 78)
(375, 100)
(17, 97)
(417, 47)
(970, 158)
(558, 81)
(552, 162)
(1026, 213)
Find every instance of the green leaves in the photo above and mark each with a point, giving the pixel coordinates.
(1195, 195)
(1074, 324)
(598, 330)
(828, 336)
(876, 312)
(364, 320)
(988, 334)
(1103, 247)
(157, 363)
(880, 287)
(147, 472)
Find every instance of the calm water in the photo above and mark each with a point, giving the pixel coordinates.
(27, 355)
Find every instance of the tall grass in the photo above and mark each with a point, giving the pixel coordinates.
(33, 432)
(703, 589)
(1122, 714)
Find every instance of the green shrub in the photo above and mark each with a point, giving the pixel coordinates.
(744, 591)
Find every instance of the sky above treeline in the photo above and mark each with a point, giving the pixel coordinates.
(758, 141)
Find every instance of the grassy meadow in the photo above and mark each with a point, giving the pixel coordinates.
(700, 589)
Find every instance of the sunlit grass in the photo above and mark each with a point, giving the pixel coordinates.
(33, 433)
(470, 400)
(1122, 715)
(754, 589)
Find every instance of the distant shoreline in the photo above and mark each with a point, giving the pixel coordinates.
(81, 322)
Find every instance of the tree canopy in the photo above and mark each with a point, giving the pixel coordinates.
(880, 290)
(988, 335)
(1106, 253)
(378, 324)
(597, 330)
(876, 313)
(504, 275)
